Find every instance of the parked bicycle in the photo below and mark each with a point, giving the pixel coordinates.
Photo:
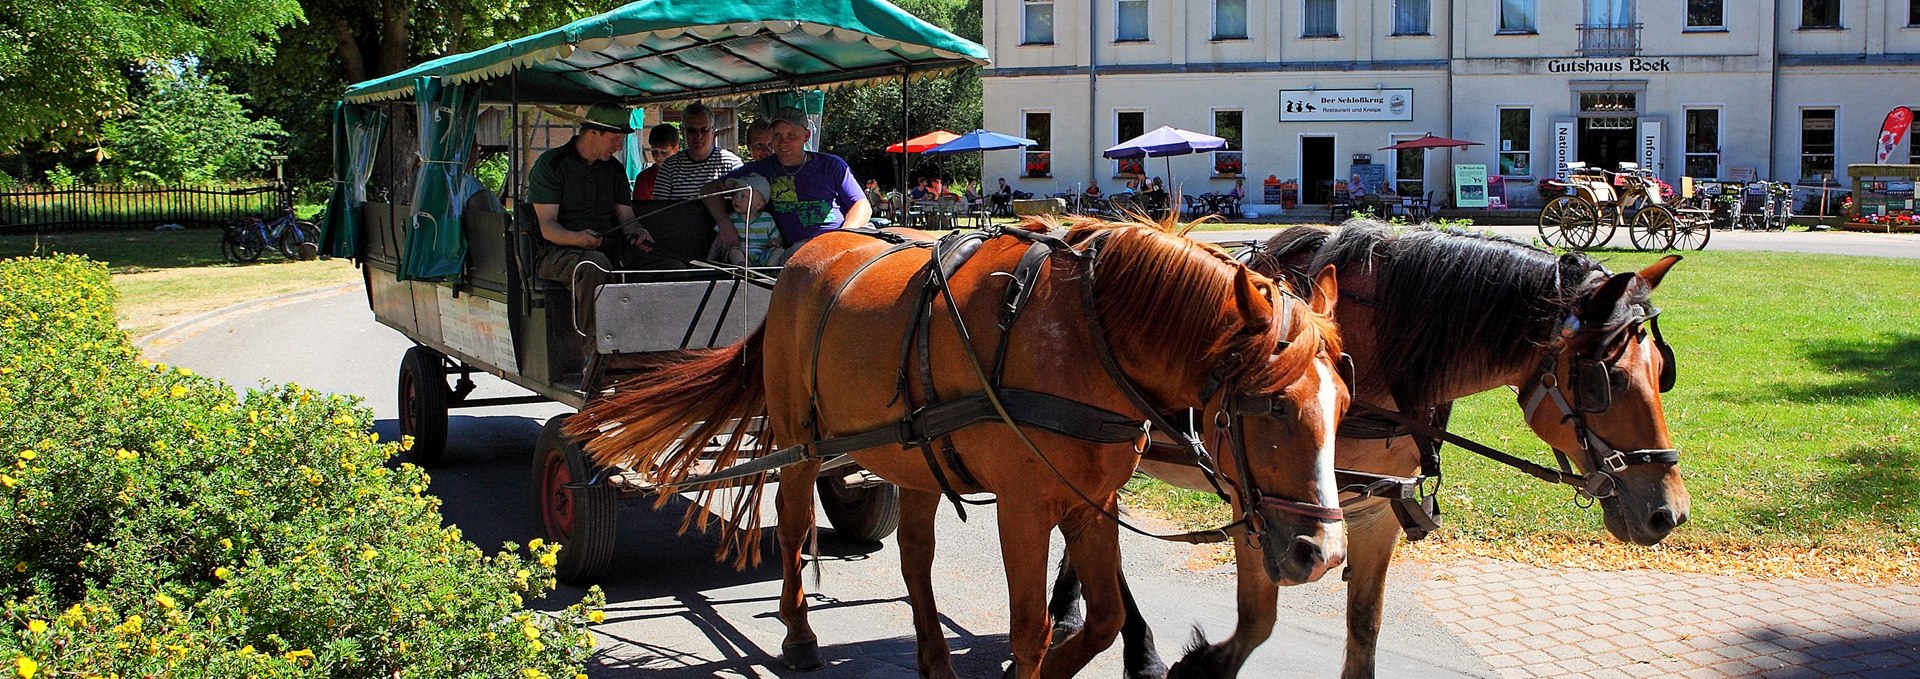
(247, 238)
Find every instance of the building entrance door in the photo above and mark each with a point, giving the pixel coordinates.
(1316, 169)
(1607, 142)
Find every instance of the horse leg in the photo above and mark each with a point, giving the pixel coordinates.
(917, 512)
(1372, 534)
(1093, 542)
(1258, 598)
(1023, 554)
(1064, 608)
(794, 503)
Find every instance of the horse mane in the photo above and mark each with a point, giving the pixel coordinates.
(1450, 302)
(1157, 287)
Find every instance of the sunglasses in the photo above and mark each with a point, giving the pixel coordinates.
(697, 130)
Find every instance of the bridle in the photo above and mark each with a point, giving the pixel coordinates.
(1591, 377)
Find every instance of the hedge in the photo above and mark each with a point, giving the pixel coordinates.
(153, 523)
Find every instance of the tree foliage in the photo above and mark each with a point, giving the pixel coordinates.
(862, 121)
(65, 64)
(187, 128)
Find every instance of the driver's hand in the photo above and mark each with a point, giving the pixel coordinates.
(728, 237)
(586, 240)
(642, 239)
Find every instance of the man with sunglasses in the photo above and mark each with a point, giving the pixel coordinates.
(700, 161)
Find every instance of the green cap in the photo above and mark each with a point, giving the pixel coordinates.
(608, 118)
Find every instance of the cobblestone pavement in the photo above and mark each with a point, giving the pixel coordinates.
(1538, 622)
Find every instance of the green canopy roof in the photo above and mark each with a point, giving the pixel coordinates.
(660, 50)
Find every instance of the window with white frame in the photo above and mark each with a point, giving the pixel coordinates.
(1130, 21)
(1230, 19)
(1816, 142)
(1036, 24)
(1517, 16)
(1704, 14)
(1038, 126)
(1819, 13)
(1126, 126)
(1703, 143)
(1321, 19)
(1412, 17)
(1516, 142)
(1229, 161)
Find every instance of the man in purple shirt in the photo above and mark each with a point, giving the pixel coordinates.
(812, 193)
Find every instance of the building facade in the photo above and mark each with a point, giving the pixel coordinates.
(1311, 90)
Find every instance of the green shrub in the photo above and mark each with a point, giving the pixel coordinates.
(154, 523)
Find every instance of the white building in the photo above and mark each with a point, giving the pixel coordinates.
(1307, 89)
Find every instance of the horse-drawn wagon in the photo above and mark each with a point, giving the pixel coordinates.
(1597, 202)
(456, 275)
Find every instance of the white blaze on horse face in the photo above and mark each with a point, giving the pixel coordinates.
(1646, 352)
(1329, 398)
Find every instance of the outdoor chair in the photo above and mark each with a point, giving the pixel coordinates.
(1192, 207)
(1340, 207)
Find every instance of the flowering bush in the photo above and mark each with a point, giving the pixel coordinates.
(1131, 167)
(1226, 163)
(1039, 164)
(157, 524)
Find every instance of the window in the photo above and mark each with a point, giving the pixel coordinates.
(1127, 125)
(1322, 19)
(1229, 161)
(1230, 19)
(1819, 13)
(1130, 22)
(1816, 142)
(1913, 143)
(1517, 16)
(1516, 142)
(1410, 17)
(1706, 14)
(1610, 13)
(1410, 172)
(1040, 155)
(1037, 22)
(1703, 143)
(1913, 12)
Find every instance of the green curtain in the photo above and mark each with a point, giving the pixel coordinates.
(436, 247)
(357, 131)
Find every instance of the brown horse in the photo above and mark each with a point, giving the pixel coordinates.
(1433, 316)
(1127, 320)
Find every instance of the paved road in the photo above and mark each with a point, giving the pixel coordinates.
(673, 612)
(1814, 242)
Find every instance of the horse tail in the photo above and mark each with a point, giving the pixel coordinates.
(679, 411)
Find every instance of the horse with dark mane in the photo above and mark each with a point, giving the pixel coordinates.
(1432, 316)
(1108, 324)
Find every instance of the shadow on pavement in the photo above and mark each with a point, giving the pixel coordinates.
(1832, 654)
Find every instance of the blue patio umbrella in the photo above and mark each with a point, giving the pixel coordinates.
(979, 140)
(1165, 142)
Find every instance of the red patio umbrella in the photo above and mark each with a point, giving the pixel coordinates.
(1430, 142)
(925, 141)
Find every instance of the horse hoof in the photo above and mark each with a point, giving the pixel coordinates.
(1062, 630)
(803, 656)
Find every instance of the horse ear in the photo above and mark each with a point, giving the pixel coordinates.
(1326, 290)
(1654, 272)
(1599, 305)
(1256, 308)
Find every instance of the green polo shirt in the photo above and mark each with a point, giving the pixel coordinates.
(586, 193)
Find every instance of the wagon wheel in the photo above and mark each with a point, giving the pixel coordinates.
(1652, 228)
(423, 405)
(1605, 224)
(1692, 234)
(1566, 222)
(582, 520)
(866, 514)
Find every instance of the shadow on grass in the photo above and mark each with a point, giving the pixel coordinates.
(124, 251)
(1869, 367)
(1868, 482)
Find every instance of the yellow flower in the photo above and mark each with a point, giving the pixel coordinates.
(177, 391)
(596, 617)
(28, 454)
(531, 673)
(535, 544)
(131, 626)
(225, 543)
(164, 600)
(316, 479)
(25, 666)
(406, 442)
(186, 373)
(123, 455)
(20, 567)
(74, 617)
(302, 656)
(222, 573)
(8, 481)
(536, 646)
(531, 631)
(369, 554)
(548, 559)
(37, 626)
(247, 650)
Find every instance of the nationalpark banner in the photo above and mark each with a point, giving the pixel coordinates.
(1898, 120)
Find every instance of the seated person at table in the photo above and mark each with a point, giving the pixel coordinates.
(936, 189)
(1239, 189)
(809, 193)
(921, 190)
(1093, 188)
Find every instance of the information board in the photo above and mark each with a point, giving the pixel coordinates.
(1470, 185)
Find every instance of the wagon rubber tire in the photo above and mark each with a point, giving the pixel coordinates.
(423, 405)
(583, 521)
(860, 514)
(1652, 228)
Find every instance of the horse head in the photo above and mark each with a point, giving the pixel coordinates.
(1598, 404)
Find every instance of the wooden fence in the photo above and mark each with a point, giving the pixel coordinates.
(135, 207)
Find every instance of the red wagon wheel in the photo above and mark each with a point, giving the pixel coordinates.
(582, 520)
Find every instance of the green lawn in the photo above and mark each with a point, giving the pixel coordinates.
(1797, 414)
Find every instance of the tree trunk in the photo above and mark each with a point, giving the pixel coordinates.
(394, 37)
(350, 59)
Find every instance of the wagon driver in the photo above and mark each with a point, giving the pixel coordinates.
(812, 192)
(576, 189)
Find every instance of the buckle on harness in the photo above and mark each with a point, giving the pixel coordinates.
(1617, 462)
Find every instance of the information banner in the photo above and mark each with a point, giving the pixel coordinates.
(1650, 146)
(1470, 185)
(1562, 147)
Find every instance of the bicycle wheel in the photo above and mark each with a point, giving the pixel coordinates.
(296, 234)
(1566, 222)
(235, 249)
(1652, 228)
(1692, 234)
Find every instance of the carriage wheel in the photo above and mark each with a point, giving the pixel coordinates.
(1566, 222)
(1692, 234)
(866, 514)
(1652, 228)
(1604, 225)
(423, 405)
(583, 521)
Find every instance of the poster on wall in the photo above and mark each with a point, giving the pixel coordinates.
(1470, 185)
(1562, 147)
(1496, 192)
